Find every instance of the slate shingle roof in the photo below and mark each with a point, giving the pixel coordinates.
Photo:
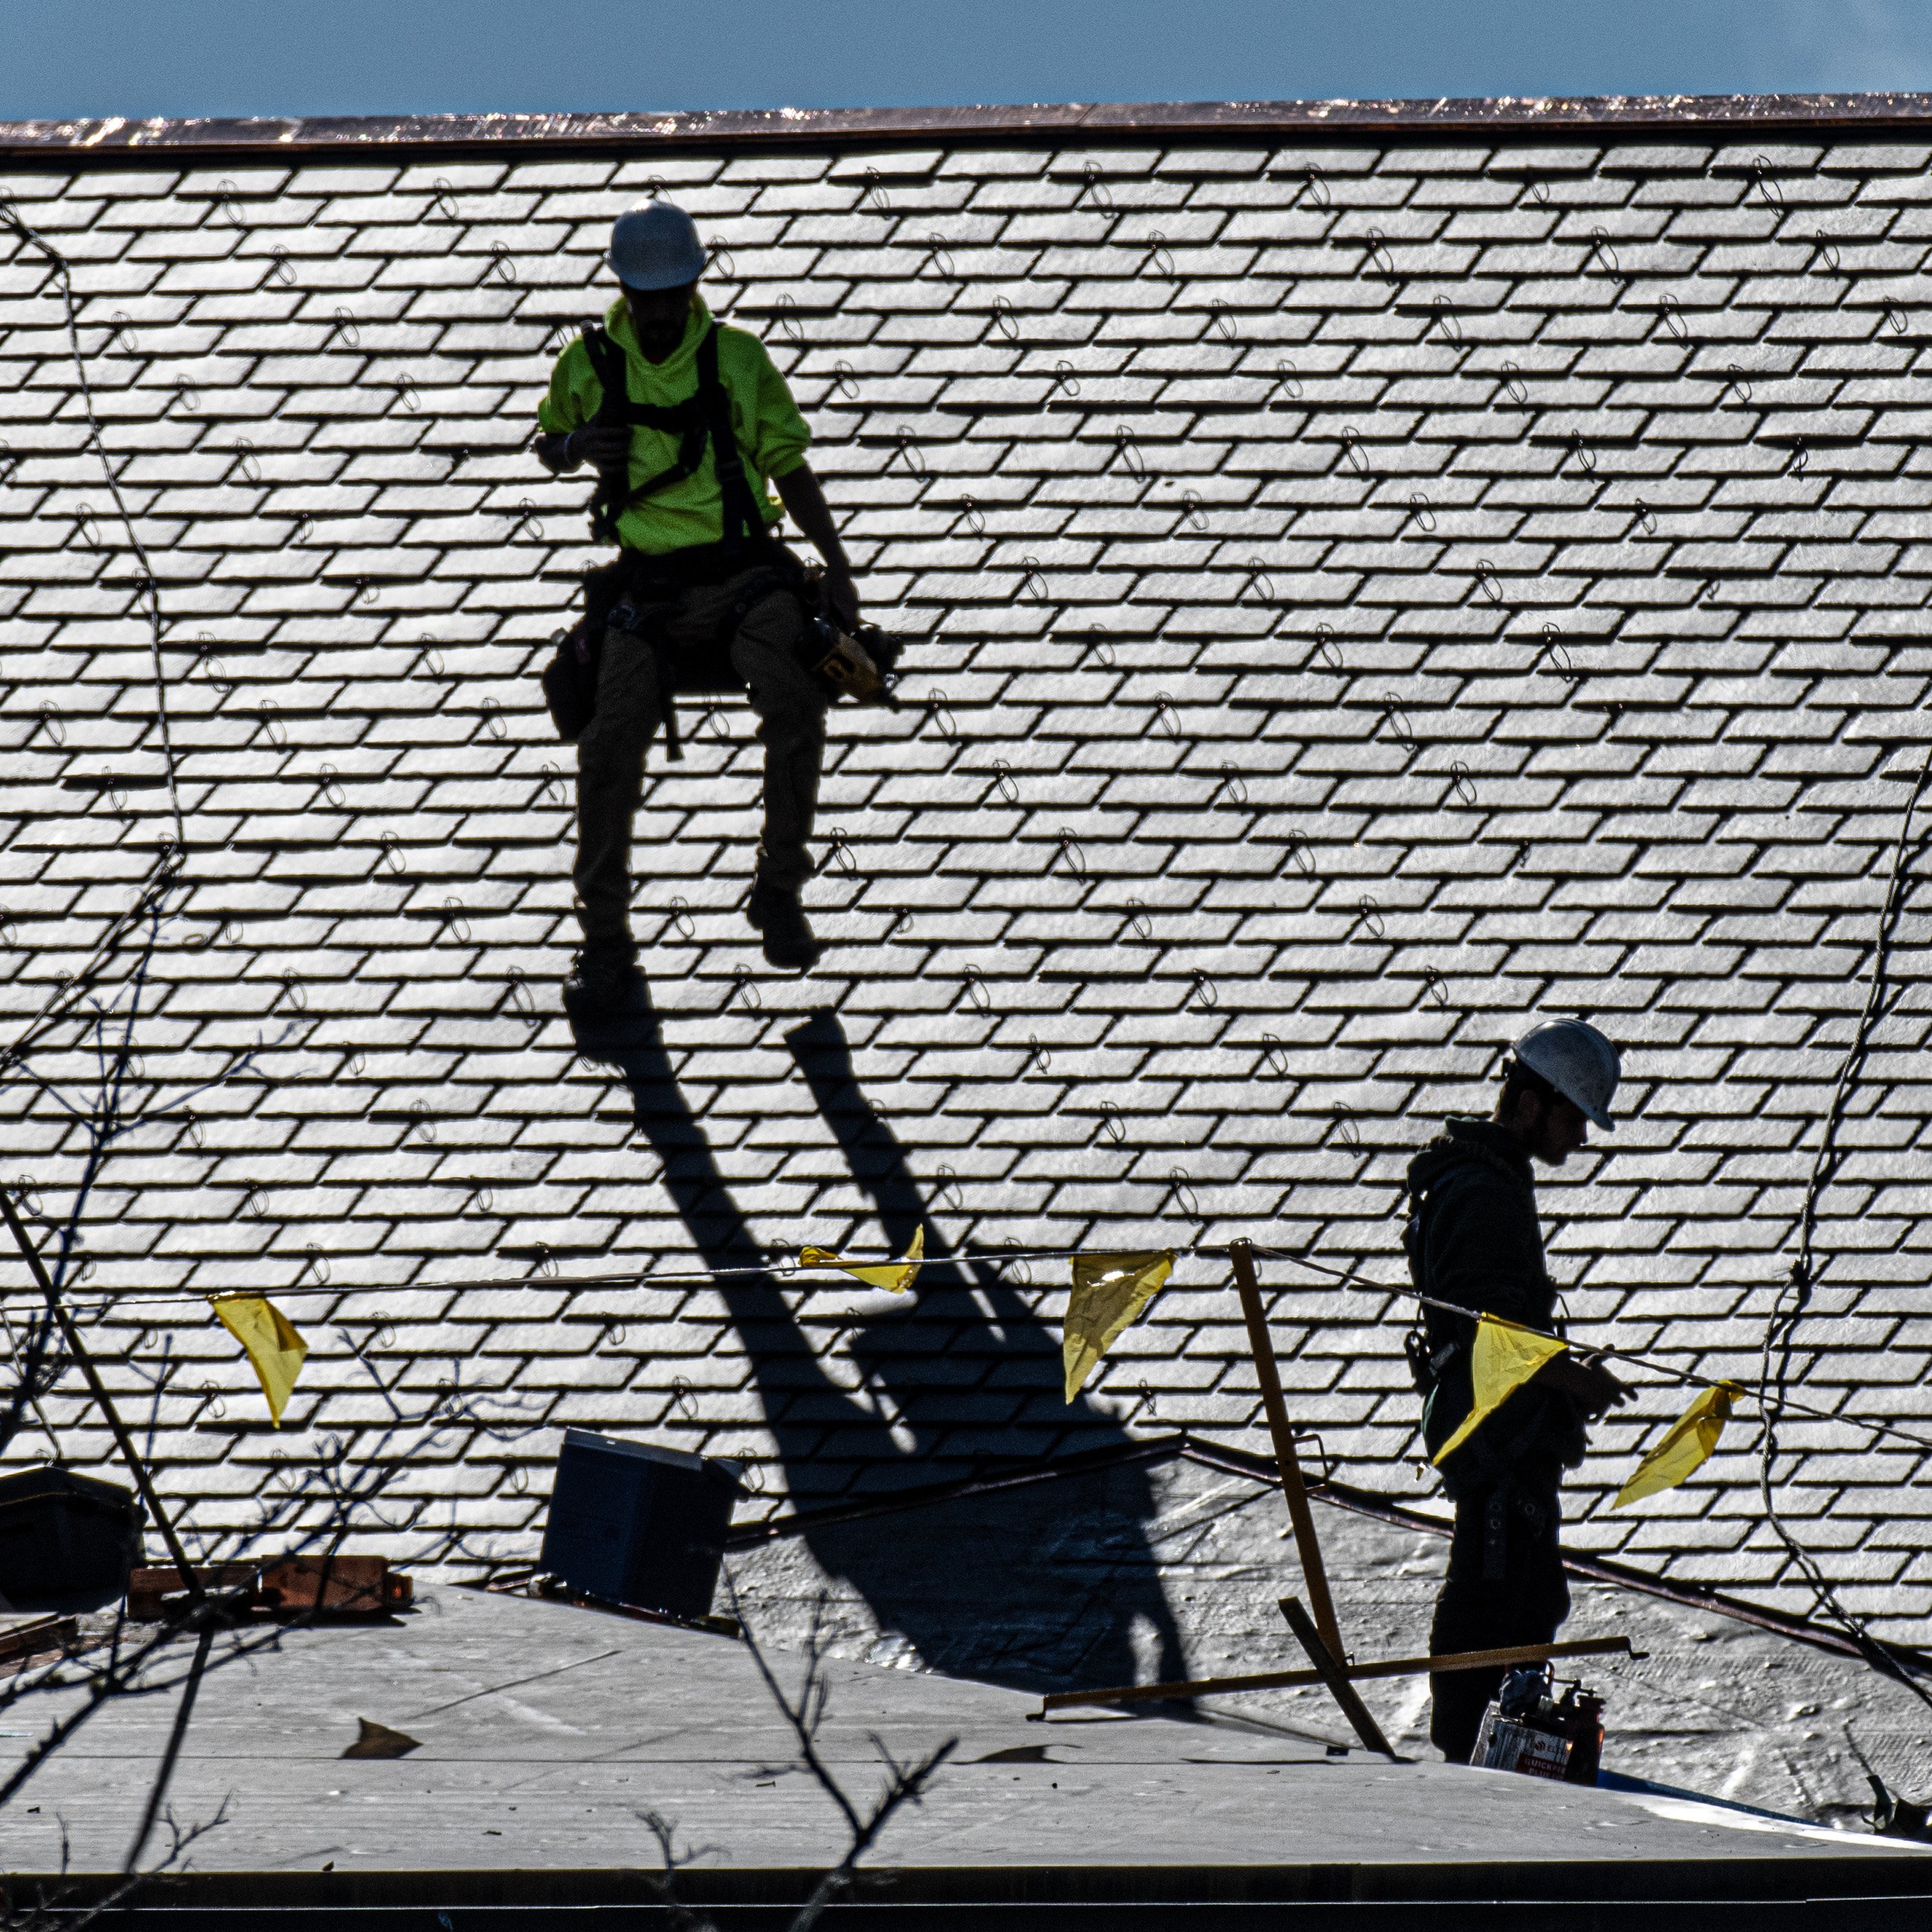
(1368, 588)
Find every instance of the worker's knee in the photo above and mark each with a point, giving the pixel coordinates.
(764, 653)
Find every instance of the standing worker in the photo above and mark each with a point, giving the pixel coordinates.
(685, 421)
(1473, 1240)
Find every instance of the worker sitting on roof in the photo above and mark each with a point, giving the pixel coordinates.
(703, 596)
(1474, 1240)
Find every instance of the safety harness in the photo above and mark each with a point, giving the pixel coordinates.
(705, 415)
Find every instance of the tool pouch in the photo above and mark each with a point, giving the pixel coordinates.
(569, 680)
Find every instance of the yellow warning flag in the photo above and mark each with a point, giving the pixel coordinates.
(895, 1276)
(1505, 1357)
(274, 1350)
(1109, 1291)
(1688, 1444)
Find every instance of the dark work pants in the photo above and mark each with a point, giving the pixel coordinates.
(1504, 1587)
(790, 711)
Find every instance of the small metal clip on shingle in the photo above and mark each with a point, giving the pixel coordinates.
(1037, 1054)
(280, 267)
(1181, 1194)
(1163, 712)
(500, 264)
(939, 257)
(444, 200)
(1738, 382)
(248, 462)
(839, 854)
(1315, 187)
(344, 324)
(745, 987)
(1204, 987)
(1512, 384)
(1003, 781)
(1232, 790)
(790, 326)
(1434, 985)
(1141, 926)
(1447, 320)
(1294, 846)
(1421, 513)
(1371, 919)
(1826, 251)
(1351, 448)
(1287, 380)
(969, 515)
(680, 920)
(1110, 1123)
(1004, 319)
(844, 381)
(1158, 254)
(1221, 320)
(1376, 257)
(1128, 447)
(1773, 195)
(1325, 649)
(1032, 580)
(1397, 721)
(1067, 848)
(1646, 519)
(1063, 378)
(974, 985)
(1094, 188)
(331, 789)
(1602, 252)
(1258, 579)
(1459, 786)
(1274, 1058)
(1346, 1132)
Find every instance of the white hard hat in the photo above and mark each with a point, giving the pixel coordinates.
(655, 246)
(1578, 1061)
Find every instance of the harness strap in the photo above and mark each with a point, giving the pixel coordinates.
(704, 415)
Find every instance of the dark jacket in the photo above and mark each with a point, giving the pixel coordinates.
(1473, 1239)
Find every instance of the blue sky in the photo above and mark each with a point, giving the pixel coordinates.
(66, 58)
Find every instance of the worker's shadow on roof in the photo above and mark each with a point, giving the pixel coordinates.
(1049, 1587)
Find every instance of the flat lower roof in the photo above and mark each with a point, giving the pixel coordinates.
(547, 1732)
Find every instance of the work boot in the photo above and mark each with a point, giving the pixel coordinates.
(789, 940)
(605, 981)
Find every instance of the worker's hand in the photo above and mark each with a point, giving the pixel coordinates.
(842, 594)
(608, 451)
(1584, 1378)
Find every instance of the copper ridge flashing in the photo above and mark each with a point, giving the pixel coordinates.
(1506, 116)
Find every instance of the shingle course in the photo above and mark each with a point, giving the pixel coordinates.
(1198, 680)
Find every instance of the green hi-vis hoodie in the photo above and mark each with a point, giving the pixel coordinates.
(772, 435)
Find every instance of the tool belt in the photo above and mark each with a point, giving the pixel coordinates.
(640, 593)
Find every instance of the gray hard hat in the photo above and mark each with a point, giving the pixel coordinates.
(655, 246)
(1578, 1061)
